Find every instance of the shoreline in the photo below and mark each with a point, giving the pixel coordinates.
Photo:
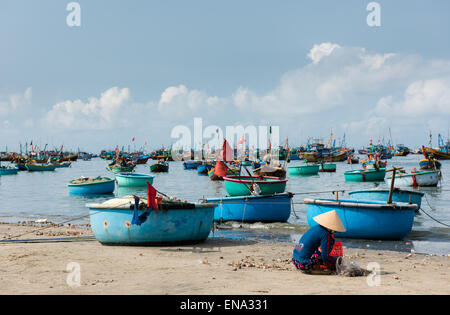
(217, 266)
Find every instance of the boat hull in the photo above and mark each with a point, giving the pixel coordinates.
(271, 208)
(133, 179)
(418, 179)
(436, 153)
(426, 164)
(191, 165)
(9, 171)
(365, 175)
(159, 168)
(327, 167)
(172, 226)
(366, 219)
(106, 187)
(398, 195)
(304, 170)
(40, 168)
(244, 186)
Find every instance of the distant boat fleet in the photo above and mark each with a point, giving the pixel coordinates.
(256, 191)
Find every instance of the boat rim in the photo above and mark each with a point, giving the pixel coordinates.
(135, 175)
(387, 190)
(249, 181)
(95, 183)
(99, 206)
(278, 195)
(415, 173)
(361, 204)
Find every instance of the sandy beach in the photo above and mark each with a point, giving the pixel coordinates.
(217, 266)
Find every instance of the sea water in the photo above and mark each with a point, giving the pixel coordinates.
(30, 196)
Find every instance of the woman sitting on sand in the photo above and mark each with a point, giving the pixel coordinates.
(306, 256)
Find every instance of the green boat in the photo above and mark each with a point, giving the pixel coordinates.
(40, 168)
(252, 185)
(372, 175)
(304, 170)
(159, 167)
(327, 167)
(121, 169)
(133, 179)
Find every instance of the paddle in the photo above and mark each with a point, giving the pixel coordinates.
(391, 189)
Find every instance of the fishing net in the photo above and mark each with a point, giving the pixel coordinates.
(348, 268)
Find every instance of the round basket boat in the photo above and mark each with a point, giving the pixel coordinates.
(91, 186)
(251, 185)
(133, 179)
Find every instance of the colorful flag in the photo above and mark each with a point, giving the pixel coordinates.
(242, 140)
(133, 139)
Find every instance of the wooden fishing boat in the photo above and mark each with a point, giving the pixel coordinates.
(142, 159)
(327, 167)
(267, 170)
(417, 179)
(369, 175)
(438, 154)
(191, 165)
(253, 185)
(204, 168)
(91, 186)
(116, 168)
(160, 167)
(268, 208)
(316, 157)
(366, 219)
(398, 195)
(31, 167)
(134, 179)
(173, 223)
(230, 170)
(430, 164)
(7, 170)
(304, 170)
(62, 165)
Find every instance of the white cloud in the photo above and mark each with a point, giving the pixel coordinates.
(97, 113)
(322, 50)
(15, 102)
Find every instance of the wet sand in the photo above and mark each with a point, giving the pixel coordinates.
(217, 266)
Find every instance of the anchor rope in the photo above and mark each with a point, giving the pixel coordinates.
(426, 198)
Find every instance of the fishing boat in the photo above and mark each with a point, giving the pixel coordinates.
(221, 170)
(120, 169)
(267, 170)
(332, 156)
(7, 170)
(369, 175)
(352, 159)
(430, 164)
(191, 165)
(204, 168)
(327, 167)
(304, 170)
(253, 185)
(269, 208)
(174, 223)
(439, 154)
(160, 167)
(133, 179)
(31, 167)
(63, 164)
(398, 195)
(91, 186)
(366, 219)
(142, 159)
(417, 179)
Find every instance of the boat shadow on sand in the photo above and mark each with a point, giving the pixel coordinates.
(210, 245)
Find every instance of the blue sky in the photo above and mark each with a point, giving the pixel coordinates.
(232, 58)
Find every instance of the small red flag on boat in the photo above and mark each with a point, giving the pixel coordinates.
(151, 197)
(242, 140)
(117, 150)
(133, 139)
(227, 152)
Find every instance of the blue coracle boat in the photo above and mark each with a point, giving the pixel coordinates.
(176, 223)
(91, 186)
(191, 165)
(398, 195)
(267, 208)
(366, 219)
(8, 170)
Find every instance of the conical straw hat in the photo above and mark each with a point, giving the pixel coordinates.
(331, 221)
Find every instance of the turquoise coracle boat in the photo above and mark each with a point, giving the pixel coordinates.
(371, 175)
(252, 185)
(4, 170)
(304, 170)
(269, 208)
(91, 186)
(173, 223)
(366, 219)
(133, 179)
(398, 195)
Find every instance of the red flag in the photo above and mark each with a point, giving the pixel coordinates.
(220, 169)
(145, 143)
(151, 197)
(117, 150)
(133, 139)
(242, 140)
(227, 152)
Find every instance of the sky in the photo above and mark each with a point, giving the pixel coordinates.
(137, 69)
